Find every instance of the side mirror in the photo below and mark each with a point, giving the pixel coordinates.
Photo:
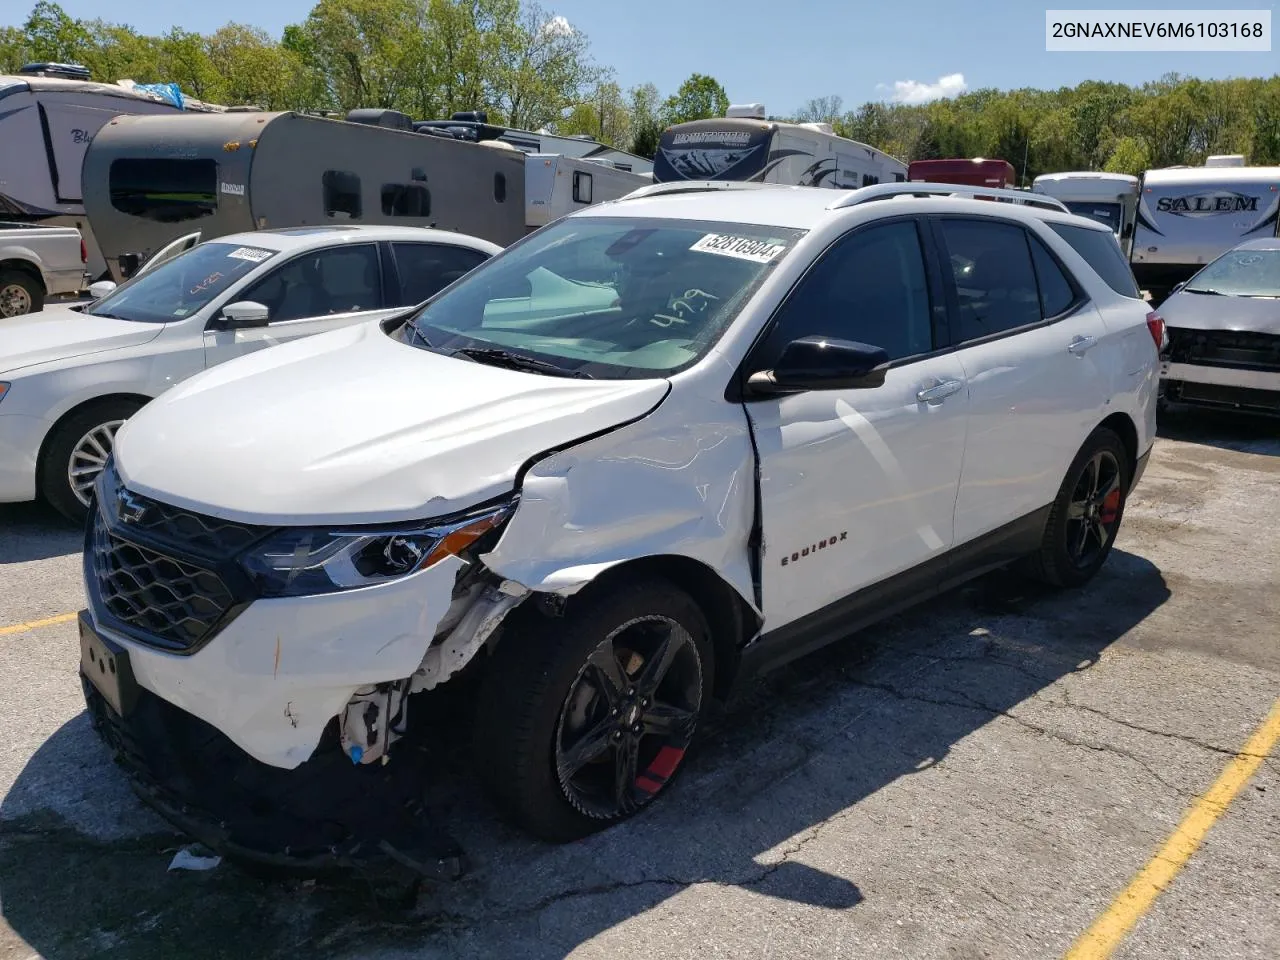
(244, 313)
(820, 363)
(101, 288)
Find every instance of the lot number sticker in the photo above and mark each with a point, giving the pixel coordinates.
(252, 254)
(744, 248)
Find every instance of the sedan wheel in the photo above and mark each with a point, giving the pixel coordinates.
(89, 457)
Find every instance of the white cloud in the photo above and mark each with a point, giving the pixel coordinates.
(558, 27)
(915, 92)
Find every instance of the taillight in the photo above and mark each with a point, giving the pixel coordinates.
(1155, 324)
(84, 253)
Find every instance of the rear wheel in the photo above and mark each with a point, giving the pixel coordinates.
(1086, 514)
(584, 722)
(20, 293)
(77, 451)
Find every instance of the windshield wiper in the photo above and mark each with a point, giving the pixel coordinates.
(1204, 290)
(416, 334)
(516, 361)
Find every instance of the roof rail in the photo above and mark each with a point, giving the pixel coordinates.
(881, 191)
(693, 186)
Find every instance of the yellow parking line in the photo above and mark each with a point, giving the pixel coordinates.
(36, 624)
(1107, 932)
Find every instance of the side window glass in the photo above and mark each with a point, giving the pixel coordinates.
(1056, 294)
(320, 283)
(1101, 250)
(427, 268)
(871, 287)
(995, 284)
(341, 195)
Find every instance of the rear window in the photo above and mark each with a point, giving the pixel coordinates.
(169, 191)
(1101, 251)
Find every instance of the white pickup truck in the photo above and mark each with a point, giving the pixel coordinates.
(37, 262)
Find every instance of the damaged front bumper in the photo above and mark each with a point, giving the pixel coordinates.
(326, 814)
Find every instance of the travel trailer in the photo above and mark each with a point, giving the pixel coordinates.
(555, 186)
(978, 172)
(475, 126)
(49, 114)
(1188, 216)
(149, 180)
(746, 145)
(1110, 198)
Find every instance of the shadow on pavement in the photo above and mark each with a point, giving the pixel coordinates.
(1227, 429)
(33, 531)
(801, 747)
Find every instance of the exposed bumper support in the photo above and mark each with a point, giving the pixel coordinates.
(1221, 376)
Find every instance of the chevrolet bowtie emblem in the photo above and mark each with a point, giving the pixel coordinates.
(131, 509)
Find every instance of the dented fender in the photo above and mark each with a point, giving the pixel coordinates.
(679, 481)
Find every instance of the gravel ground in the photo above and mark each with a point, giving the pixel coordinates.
(976, 778)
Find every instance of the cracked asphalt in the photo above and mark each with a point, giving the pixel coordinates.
(976, 778)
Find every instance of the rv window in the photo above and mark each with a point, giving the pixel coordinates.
(1056, 291)
(405, 200)
(341, 195)
(427, 268)
(995, 283)
(337, 280)
(165, 190)
(870, 287)
(868, 179)
(1101, 250)
(581, 187)
(500, 187)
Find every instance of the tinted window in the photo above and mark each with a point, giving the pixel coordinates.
(994, 281)
(427, 268)
(1101, 250)
(870, 287)
(341, 195)
(165, 190)
(1056, 293)
(405, 200)
(500, 187)
(1105, 213)
(340, 280)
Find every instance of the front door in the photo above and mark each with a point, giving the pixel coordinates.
(311, 293)
(859, 484)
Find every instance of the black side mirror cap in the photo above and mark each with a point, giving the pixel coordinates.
(821, 363)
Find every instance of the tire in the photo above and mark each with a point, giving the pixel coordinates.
(551, 741)
(67, 439)
(20, 294)
(1074, 549)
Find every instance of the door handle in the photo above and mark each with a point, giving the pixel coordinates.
(939, 391)
(1080, 345)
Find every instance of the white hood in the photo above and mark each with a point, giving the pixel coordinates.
(60, 333)
(355, 427)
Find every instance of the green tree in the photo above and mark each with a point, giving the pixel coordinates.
(604, 115)
(821, 110)
(543, 67)
(646, 119)
(54, 36)
(14, 49)
(253, 68)
(363, 49)
(698, 98)
(1128, 156)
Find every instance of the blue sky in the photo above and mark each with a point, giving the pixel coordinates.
(782, 53)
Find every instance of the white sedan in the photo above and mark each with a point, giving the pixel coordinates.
(70, 376)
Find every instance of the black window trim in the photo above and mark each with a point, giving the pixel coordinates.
(213, 324)
(953, 304)
(939, 314)
(392, 267)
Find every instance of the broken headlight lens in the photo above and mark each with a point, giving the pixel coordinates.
(302, 561)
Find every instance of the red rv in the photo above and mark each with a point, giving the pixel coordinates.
(975, 173)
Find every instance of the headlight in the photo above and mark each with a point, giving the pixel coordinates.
(304, 561)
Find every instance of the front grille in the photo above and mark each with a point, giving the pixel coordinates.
(1225, 348)
(162, 575)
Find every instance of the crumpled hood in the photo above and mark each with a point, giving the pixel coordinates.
(1199, 311)
(355, 427)
(59, 333)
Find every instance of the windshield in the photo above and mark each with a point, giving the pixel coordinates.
(181, 286)
(620, 298)
(1108, 213)
(1240, 273)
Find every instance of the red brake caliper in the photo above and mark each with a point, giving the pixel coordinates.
(664, 764)
(1110, 507)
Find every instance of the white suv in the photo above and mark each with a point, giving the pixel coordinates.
(69, 376)
(645, 452)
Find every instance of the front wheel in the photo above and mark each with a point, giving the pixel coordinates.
(582, 723)
(1086, 514)
(77, 451)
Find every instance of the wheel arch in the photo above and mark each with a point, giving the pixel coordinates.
(140, 399)
(26, 267)
(1123, 426)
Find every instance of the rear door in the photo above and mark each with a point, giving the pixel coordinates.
(1026, 335)
(310, 293)
(424, 269)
